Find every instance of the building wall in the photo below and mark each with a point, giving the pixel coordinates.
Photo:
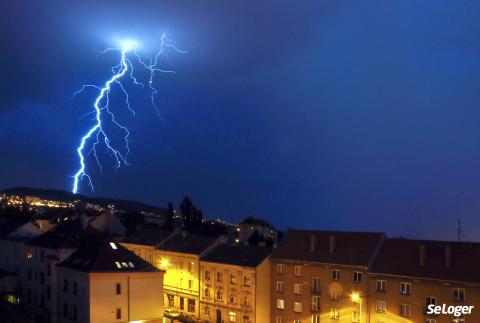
(343, 303)
(73, 302)
(420, 290)
(181, 281)
(140, 298)
(262, 292)
(237, 288)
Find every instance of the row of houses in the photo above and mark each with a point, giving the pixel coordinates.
(86, 270)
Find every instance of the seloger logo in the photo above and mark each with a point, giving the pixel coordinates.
(457, 311)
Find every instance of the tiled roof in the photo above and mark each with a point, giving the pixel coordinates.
(402, 257)
(147, 236)
(187, 243)
(239, 255)
(348, 248)
(102, 254)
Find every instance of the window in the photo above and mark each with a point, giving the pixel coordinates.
(334, 314)
(297, 307)
(335, 274)
(49, 293)
(207, 275)
(315, 318)
(316, 284)
(458, 320)
(459, 294)
(380, 307)
(405, 310)
(405, 289)
(246, 319)
(75, 313)
(316, 303)
(191, 267)
(65, 309)
(219, 277)
(280, 269)
(280, 286)
(65, 285)
(297, 289)
(118, 314)
(280, 304)
(355, 317)
(29, 254)
(191, 305)
(246, 281)
(182, 305)
(298, 270)
(429, 300)
(49, 269)
(381, 286)
(207, 311)
(233, 279)
(357, 277)
(118, 289)
(232, 316)
(171, 300)
(113, 245)
(219, 295)
(190, 284)
(279, 319)
(297, 321)
(74, 291)
(233, 298)
(335, 293)
(29, 274)
(430, 321)
(207, 293)
(42, 278)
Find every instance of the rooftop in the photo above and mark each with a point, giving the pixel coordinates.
(187, 243)
(239, 255)
(329, 247)
(102, 254)
(68, 234)
(147, 236)
(445, 260)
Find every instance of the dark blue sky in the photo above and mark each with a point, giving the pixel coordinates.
(355, 115)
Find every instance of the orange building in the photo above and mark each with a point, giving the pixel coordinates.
(320, 276)
(409, 275)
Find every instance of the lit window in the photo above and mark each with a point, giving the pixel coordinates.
(219, 277)
(279, 319)
(124, 264)
(297, 307)
(315, 318)
(114, 247)
(233, 279)
(280, 304)
(118, 264)
(335, 293)
(207, 275)
(430, 321)
(429, 300)
(232, 316)
(219, 295)
(131, 265)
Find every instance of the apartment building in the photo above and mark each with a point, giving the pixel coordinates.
(321, 276)
(235, 284)
(144, 240)
(179, 256)
(104, 282)
(409, 275)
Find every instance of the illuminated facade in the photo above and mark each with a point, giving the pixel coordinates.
(319, 276)
(235, 282)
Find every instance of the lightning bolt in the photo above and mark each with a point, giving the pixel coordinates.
(97, 134)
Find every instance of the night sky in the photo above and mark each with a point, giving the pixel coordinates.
(333, 114)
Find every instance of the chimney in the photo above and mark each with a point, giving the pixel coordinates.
(421, 254)
(313, 242)
(332, 244)
(448, 256)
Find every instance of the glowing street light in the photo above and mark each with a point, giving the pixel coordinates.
(357, 299)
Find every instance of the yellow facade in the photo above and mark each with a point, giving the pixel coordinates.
(231, 293)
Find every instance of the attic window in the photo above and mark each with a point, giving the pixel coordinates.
(118, 264)
(125, 264)
(113, 245)
(131, 265)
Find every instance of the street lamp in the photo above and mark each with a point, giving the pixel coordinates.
(357, 299)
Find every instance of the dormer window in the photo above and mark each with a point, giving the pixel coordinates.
(113, 245)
